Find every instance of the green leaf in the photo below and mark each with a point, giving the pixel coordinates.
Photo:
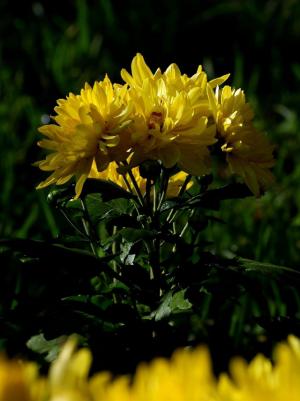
(172, 303)
(122, 220)
(51, 348)
(171, 204)
(107, 189)
(56, 255)
(125, 255)
(134, 235)
(60, 195)
(114, 209)
(164, 310)
(179, 302)
(211, 199)
(96, 208)
(249, 265)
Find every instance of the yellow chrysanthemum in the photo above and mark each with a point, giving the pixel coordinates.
(68, 374)
(140, 72)
(260, 380)
(253, 382)
(187, 376)
(111, 174)
(248, 151)
(171, 117)
(90, 128)
(19, 381)
(287, 369)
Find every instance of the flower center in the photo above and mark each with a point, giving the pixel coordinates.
(107, 141)
(155, 121)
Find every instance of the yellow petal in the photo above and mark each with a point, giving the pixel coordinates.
(169, 155)
(212, 101)
(218, 81)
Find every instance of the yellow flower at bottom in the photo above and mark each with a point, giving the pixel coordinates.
(248, 151)
(287, 369)
(260, 380)
(186, 376)
(19, 381)
(91, 128)
(68, 374)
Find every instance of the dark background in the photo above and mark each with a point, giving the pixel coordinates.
(50, 48)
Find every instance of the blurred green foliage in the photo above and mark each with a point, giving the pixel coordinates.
(51, 48)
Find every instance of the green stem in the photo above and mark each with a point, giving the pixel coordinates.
(72, 224)
(114, 263)
(127, 183)
(135, 185)
(155, 272)
(148, 195)
(86, 226)
(154, 199)
(173, 213)
(130, 190)
(191, 214)
(165, 183)
(154, 255)
(183, 230)
(184, 185)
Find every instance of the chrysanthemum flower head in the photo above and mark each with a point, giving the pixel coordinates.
(19, 381)
(187, 376)
(248, 151)
(260, 380)
(90, 128)
(166, 116)
(140, 71)
(248, 382)
(171, 117)
(68, 373)
(287, 369)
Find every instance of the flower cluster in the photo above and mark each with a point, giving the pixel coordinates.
(186, 376)
(165, 116)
